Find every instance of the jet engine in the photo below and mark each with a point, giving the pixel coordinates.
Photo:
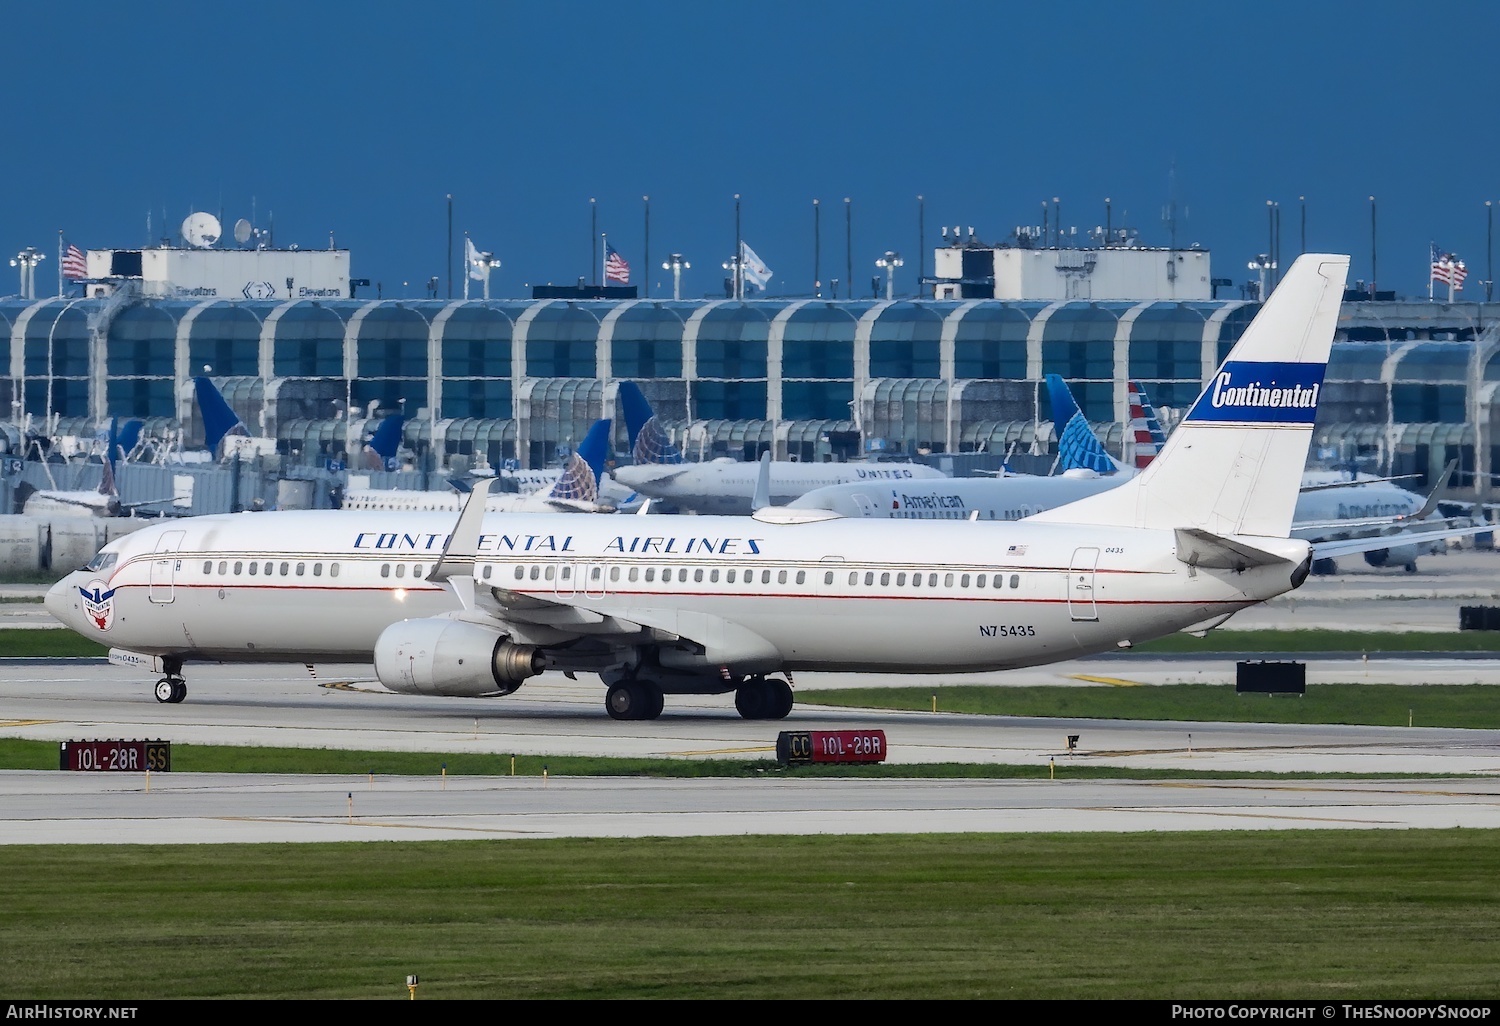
(1400, 555)
(437, 656)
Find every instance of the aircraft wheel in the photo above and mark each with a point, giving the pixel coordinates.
(1411, 568)
(654, 700)
(625, 701)
(179, 691)
(780, 694)
(752, 699)
(166, 690)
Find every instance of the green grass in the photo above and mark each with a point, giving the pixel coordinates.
(1325, 641)
(43, 643)
(1389, 705)
(1315, 915)
(18, 754)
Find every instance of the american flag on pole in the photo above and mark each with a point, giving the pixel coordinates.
(1457, 272)
(75, 263)
(615, 267)
(1439, 264)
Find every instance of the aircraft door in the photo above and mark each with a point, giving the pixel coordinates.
(1081, 604)
(592, 584)
(164, 567)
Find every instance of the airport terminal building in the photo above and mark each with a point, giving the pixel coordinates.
(1411, 383)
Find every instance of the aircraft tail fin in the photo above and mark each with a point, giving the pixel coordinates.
(385, 442)
(1078, 448)
(580, 478)
(1234, 464)
(1145, 429)
(649, 442)
(219, 419)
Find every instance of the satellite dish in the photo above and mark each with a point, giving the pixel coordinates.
(242, 231)
(201, 230)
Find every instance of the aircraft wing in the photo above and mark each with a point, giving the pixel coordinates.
(1369, 543)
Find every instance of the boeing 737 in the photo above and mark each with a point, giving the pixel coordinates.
(667, 605)
(103, 501)
(724, 485)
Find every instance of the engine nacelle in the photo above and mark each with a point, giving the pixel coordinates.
(1399, 555)
(436, 656)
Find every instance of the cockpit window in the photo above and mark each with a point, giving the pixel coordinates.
(103, 561)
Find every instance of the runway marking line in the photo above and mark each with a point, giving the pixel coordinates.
(1114, 682)
(727, 751)
(1251, 815)
(26, 723)
(1272, 785)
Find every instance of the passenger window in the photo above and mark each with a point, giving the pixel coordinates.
(999, 580)
(932, 580)
(333, 569)
(614, 573)
(916, 580)
(596, 573)
(650, 573)
(781, 577)
(635, 573)
(223, 567)
(947, 580)
(400, 569)
(238, 566)
(536, 573)
(1015, 580)
(208, 567)
(486, 573)
(317, 569)
(729, 577)
(979, 580)
(885, 580)
(268, 568)
(698, 576)
(869, 579)
(682, 575)
(551, 572)
(567, 572)
(801, 577)
(520, 573)
(713, 576)
(301, 569)
(286, 568)
(900, 580)
(253, 568)
(765, 577)
(963, 582)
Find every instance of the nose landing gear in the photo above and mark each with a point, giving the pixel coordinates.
(171, 689)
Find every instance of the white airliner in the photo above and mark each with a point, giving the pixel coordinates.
(575, 490)
(103, 501)
(724, 485)
(669, 605)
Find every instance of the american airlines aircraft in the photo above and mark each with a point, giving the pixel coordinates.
(103, 501)
(708, 605)
(725, 485)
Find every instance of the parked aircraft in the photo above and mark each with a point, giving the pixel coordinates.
(724, 485)
(103, 501)
(659, 605)
(576, 489)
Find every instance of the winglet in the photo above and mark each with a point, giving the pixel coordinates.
(761, 498)
(455, 567)
(1432, 497)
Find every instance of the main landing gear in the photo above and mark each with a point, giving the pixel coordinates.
(171, 688)
(762, 699)
(634, 700)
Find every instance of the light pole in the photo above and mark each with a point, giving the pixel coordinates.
(1489, 248)
(732, 265)
(676, 265)
(889, 263)
(1262, 262)
(27, 260)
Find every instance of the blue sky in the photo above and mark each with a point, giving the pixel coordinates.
(361, 118)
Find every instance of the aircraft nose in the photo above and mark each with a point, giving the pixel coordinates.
(59, 599)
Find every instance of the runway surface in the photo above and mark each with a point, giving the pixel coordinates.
(341, 707)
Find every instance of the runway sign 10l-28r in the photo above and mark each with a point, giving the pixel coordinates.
(116, 756)
(800, 747)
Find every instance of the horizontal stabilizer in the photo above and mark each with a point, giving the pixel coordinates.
(787, 515)
(1200, 548)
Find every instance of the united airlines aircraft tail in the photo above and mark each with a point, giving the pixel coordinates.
(1078, 448)
(385, 442)
(218, 418)
(1234, 464)
(585, 467)
(648, 439)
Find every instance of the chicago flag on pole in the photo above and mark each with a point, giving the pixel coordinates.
(753, 267)
(75, 263)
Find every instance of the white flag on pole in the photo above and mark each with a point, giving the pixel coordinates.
(474, 259)
(753, 267)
